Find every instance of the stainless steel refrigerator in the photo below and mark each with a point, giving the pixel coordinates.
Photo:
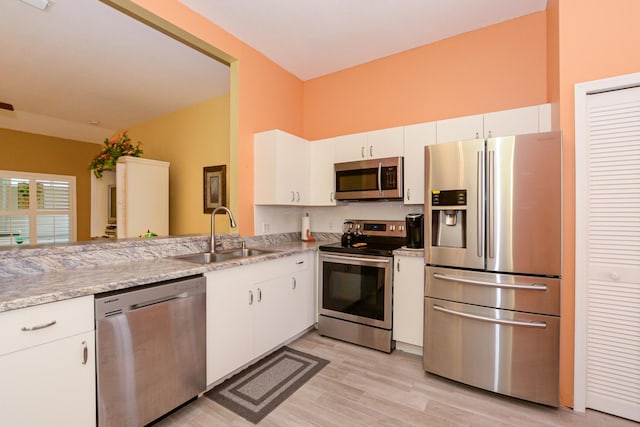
(493, 263)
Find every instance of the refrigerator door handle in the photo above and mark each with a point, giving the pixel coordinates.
(480, 226)
(491, 205)
(531, 287)
(490, 319)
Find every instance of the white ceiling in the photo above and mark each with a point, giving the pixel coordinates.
(311, 38)
(80, 60)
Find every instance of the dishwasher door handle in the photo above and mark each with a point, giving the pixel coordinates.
(144, 304)
(490, 319)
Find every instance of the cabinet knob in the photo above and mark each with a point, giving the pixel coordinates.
(362, 151)
(298, 196)
(259, 294)
(85, 353)
(293, 283)
(250, 297)
(408, 194)
(371, 150)
(398, 266)
(293, 196)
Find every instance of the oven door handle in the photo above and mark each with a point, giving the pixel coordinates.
(533, 324)
(353, 258)
(531, 287)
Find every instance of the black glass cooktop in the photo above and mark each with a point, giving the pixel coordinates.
(374, 247)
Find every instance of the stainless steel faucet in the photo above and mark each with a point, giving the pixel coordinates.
(213, 225)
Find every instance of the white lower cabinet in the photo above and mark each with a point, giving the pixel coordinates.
(408, 301)
(255, 308)
(48, 372)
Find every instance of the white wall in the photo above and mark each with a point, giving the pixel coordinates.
(286, 219)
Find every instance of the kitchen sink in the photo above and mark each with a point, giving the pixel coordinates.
(226, 255)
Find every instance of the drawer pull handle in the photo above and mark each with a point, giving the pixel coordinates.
(531, 287)
(35, 328)
(490, 319)
(85, 353)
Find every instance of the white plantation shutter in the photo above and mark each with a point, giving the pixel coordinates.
(613, 253)
(36, 208)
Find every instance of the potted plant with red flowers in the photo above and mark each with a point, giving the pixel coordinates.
(112, 149)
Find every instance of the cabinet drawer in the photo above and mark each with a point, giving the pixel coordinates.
(71, 317)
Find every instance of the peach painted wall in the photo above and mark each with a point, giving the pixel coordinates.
(494, 68)
(596, 40)
(268, 96)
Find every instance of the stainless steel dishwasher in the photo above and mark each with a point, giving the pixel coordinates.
(151, 351)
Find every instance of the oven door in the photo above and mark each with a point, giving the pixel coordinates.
(356, 288)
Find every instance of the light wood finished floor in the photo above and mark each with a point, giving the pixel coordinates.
(362, 387)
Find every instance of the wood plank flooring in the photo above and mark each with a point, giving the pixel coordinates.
(362, 387)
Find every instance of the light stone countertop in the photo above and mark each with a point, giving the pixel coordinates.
(24, 290)
(404, 251)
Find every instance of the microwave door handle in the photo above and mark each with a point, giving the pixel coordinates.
(380, 177)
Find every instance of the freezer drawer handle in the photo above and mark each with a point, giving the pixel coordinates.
(491, 320)
(531, 287)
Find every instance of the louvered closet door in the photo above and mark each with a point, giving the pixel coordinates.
(613, 253)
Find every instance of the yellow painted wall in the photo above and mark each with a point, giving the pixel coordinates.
(190, 139)
(29, 152)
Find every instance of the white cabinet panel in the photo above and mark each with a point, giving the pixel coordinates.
(48, 374)
(460, 128)
(408, 300)
(350, 147)
(142, 188)
(321, 175)
(544, 118)
(385, 143)
(370, 145)
(230, 299)
(281, 174)
(255, 308)
(517, 121)
(416, 137)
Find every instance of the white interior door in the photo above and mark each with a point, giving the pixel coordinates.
(608, 252)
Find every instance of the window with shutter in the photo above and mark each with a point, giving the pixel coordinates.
(37, 208)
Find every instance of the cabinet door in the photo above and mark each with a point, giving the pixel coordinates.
(460, 128)
(385, 143)
(408, 299)
(302, 298)
(321, 175)
(272, 314)
(281, 174)
(50, 385)
(350, 147)
(517, 121)
(416, 137)
(230, 302)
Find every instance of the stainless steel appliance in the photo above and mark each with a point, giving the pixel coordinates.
(415, 230)
(355, 285)
(369, 179)
(150, 347)
(492, 289)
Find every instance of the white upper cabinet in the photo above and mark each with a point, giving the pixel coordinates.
(416, 137)
(544, 118)
(370, 145)
(460, 128)
(517, 121)
(281, 175)
(321, 176)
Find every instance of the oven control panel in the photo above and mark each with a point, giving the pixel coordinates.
(377, 228)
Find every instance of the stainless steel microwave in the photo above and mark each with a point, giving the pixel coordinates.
(369, 179)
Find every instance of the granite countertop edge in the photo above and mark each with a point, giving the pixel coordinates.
(33, 289)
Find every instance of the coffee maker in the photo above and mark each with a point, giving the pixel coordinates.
(414, 223)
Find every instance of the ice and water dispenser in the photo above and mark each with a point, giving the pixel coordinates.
(449, 218)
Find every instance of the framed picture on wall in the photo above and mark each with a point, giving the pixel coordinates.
(214, 187)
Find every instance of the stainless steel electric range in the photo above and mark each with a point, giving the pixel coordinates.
(356, 276)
